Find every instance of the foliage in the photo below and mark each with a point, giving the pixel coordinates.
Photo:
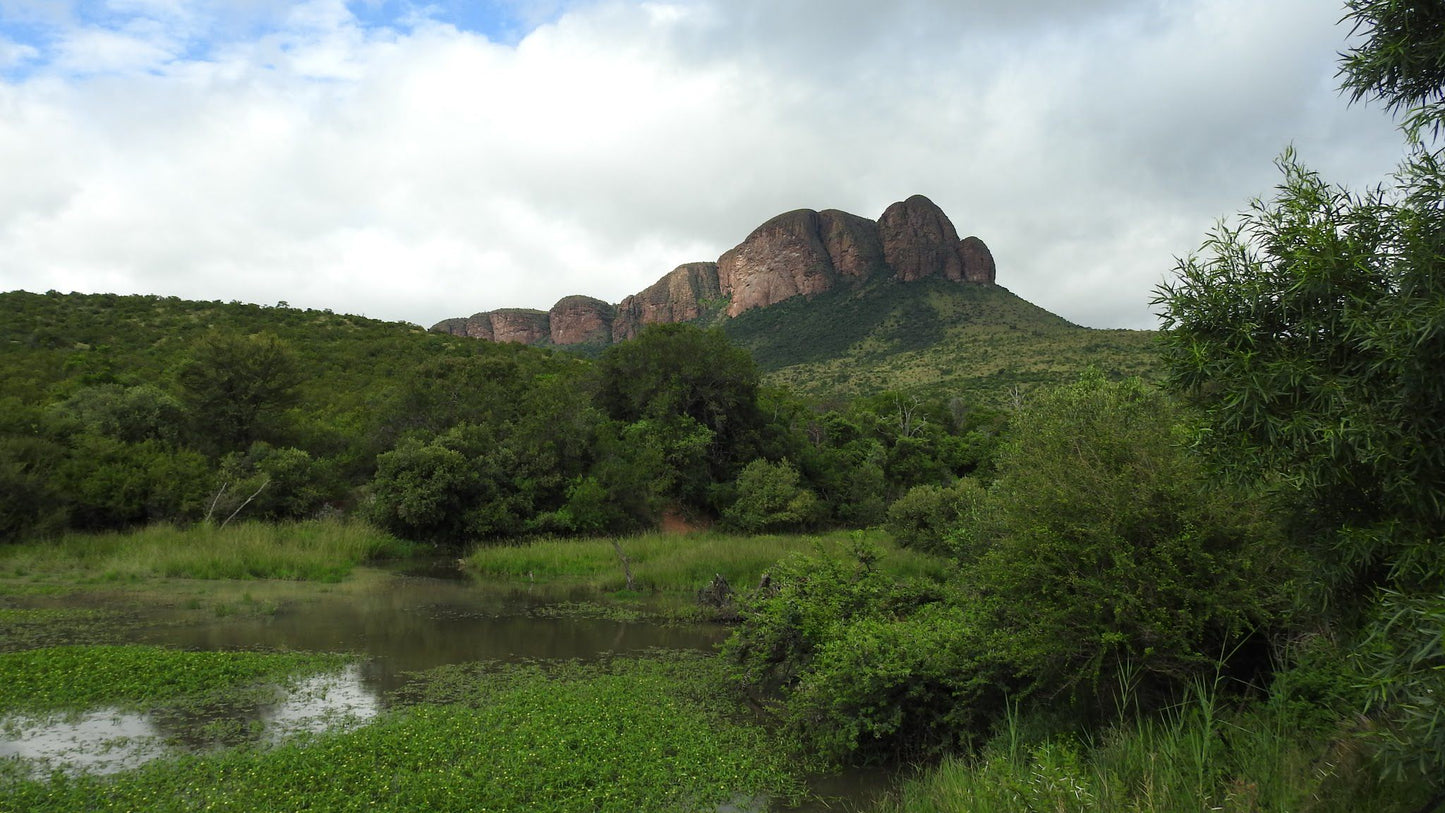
(627, 736)
(1119, 544)
(672, 563)
(1404, 662)
(82, 677)
(236, 388)
(1101, 555)
(871, 666)
(933, 338)
(1401, 60)
(1200, 755)
(695, 392)
(927, 516)
(1312, 338)
(769, 499)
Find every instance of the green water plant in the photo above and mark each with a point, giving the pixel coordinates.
(630, 735)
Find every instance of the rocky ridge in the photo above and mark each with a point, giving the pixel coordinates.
(798, 253)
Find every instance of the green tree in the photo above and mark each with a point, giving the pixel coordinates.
(237, 387)
(1311, 336)
(686, 383)
(1312, 339)
(1124, 552)
(1401, 60)
(425, 491)
(770, 499)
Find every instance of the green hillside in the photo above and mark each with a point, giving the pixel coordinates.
(975, 342)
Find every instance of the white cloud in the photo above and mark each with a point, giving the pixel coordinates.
(267, 151)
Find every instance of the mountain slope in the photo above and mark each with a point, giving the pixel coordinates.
(976, 342)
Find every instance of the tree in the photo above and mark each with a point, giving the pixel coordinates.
(1312, 339)
(236, 387)
(1125, 553)
(770, 499)
(686, 382)
(1311, 336)
(1401, 61)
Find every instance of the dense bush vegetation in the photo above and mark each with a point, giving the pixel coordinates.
(127, 411)
(1101, 555)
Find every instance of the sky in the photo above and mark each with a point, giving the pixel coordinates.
(419, 161)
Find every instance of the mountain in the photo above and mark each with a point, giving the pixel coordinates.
(832, 304)
(800, 253)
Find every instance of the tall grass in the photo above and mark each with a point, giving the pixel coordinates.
(677, 563)
(322, 550)
(1197, 756)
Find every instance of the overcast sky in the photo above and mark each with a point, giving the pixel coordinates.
(417, 161)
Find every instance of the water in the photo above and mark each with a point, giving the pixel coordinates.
(400, 624)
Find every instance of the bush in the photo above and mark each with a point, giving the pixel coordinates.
(1126, 554)
(927, 516)
(769, 499)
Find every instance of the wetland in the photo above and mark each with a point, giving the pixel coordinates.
(419, 683)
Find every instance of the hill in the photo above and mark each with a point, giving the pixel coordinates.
(932, 337)
(834, 306)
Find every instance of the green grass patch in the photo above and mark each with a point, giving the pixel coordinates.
(1256, 757)
(82, 677)
(323, 551)
(680, 563)
(630, 735)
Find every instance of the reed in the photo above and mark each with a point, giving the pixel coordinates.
(320, 550)
(678, 563)
(1199, 755)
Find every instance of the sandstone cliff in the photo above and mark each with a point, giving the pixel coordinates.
(798, 253)
(681, 296)
(580, 320)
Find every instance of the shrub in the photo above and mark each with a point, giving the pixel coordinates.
(769, 499)
(926, 517)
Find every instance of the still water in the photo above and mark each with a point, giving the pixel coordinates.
(406, 622)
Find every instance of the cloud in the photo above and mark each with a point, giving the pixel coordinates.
(418, 162)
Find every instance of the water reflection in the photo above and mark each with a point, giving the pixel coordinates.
(108, 740)
(327, 702)
(101, 741)
(411, 624)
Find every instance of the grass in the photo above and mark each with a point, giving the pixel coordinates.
(324, 551)
(1198, 756)
(677, 563)
(82, 677)
(630, 735)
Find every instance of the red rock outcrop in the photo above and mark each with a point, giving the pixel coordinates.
(978, 263)
(852, 244)
(681, 296)
(580, 320)
(802, 252)
(919, 241)
(781, 259)
(523, 325)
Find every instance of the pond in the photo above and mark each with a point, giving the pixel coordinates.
(399, 623)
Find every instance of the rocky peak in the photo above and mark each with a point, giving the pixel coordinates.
(852, 244)
(977, 261)
(802, 252)
(580, 320)
(781, 259)
(680, 296)
(919, 241)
